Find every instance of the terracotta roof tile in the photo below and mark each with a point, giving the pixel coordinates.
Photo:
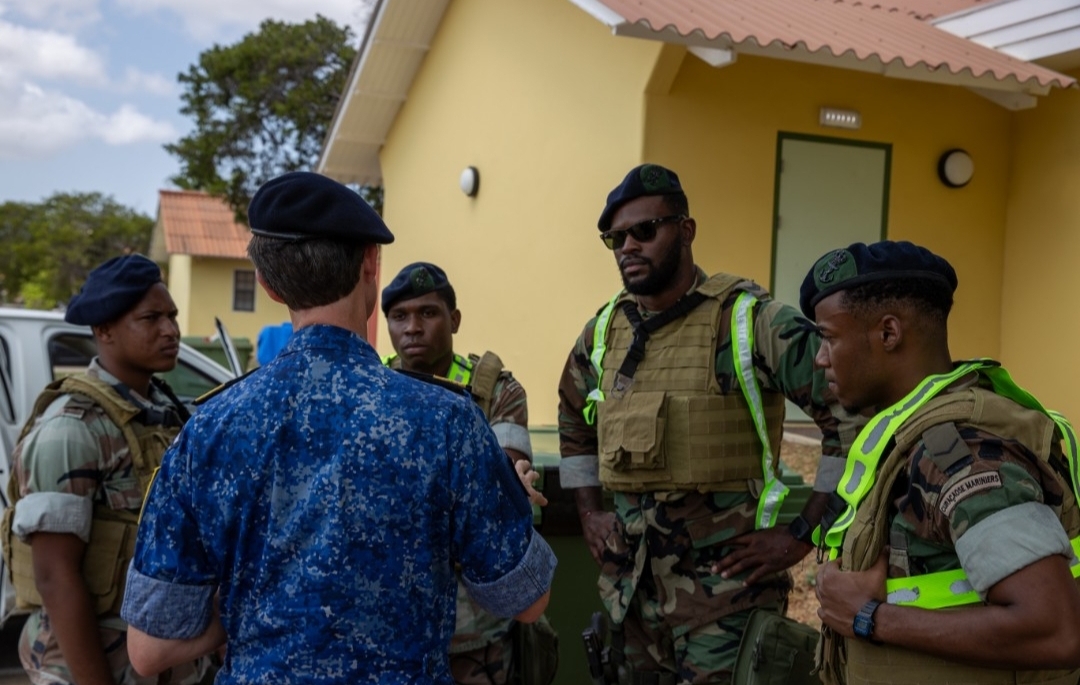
(885, 31)
(198, 224)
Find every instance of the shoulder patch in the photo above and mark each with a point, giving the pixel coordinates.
(945, 447)
(966, 487)
(224, 386)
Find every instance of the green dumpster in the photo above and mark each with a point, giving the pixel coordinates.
(574, 595)
(212, 348)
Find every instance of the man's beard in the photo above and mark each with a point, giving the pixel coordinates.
(660, 276)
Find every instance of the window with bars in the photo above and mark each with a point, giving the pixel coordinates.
(243, 291)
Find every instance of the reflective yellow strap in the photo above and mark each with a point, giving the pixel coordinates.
(860, 471)
(460, 370)
(603, 320)
(946, 589)
(742, 351)
(389, 359)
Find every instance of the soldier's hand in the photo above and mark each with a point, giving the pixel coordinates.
(528, 476)
(598, 527)
(762, 552)
(843, 593)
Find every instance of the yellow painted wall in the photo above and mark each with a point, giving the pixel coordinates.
(207, 289)
(1039, 328)
(179, 280)
(718, 129)
(546, 103)
(554, 110)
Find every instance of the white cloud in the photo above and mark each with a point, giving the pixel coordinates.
(38, 53)
(60, 14)
(36, 122)
(212, 19)
(139, 81)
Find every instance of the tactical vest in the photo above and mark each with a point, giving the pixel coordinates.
(112, 534)
(673, 429)
(477, 374)
(858, 662)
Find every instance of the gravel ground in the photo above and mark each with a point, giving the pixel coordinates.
(802, 604)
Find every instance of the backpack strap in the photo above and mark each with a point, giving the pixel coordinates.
(485, 375)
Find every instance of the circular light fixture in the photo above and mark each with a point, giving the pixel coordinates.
(470, 181)
(955, 168)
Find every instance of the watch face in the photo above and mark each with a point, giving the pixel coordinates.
(863, 626)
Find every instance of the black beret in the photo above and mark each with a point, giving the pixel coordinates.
(647, 179)
(112, 289)
(301, 205)
(416, 279)
(860, 263)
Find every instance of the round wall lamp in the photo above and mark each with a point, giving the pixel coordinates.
(955, 168)
(470, 181)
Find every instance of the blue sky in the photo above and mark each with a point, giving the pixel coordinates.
(88, 90)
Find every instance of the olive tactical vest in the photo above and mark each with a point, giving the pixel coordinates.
(673, 429)
(112, 535)
(858, 662)
(478, 374)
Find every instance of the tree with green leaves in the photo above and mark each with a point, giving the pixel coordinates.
(261, 107)
(50, 247)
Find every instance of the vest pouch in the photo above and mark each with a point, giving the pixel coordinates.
(20, 565)
(111, 546)
(631, 432)
(775, 650)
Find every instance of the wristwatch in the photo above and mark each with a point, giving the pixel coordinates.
(800, 530)
(863, 625)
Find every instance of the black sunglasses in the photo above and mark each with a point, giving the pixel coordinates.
(642, 232)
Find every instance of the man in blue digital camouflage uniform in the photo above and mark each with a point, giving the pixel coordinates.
(311, 515)
(960, 492)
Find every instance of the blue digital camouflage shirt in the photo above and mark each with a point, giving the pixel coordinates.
(327, 498)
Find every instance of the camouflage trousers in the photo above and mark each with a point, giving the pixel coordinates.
(488, 665)
(40, 655)
(656, 580)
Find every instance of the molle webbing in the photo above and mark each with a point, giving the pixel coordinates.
(112, 534)
(671, 428)
(485, 374)
(644, 328)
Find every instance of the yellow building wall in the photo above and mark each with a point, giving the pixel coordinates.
(546, 103)
(1039, 328)
(209, 293)
(553, 110)
(179, 281)
(718, 127)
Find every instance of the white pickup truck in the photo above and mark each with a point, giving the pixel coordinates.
(37, 347)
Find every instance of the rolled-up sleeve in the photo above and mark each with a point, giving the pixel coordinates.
(169, 611)
(527, 582)
(53, 512)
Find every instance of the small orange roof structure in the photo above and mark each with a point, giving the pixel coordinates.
(195, 223)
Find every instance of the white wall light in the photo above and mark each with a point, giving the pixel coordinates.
(840, 118)
(470, 181)
(955, 168)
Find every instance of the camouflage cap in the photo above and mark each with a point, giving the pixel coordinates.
(112, 289)
(416, 279)
(860, 263)
(644, 180)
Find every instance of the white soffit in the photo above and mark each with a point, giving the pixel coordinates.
(394, 46)
(1026, 29)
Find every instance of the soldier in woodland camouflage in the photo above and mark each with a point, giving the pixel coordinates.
(623, 425)
(80, 473)
(959, 496)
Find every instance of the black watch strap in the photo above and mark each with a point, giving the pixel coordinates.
(863, 625)
(801, 530)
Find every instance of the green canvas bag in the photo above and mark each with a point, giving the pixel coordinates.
(776, 651)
